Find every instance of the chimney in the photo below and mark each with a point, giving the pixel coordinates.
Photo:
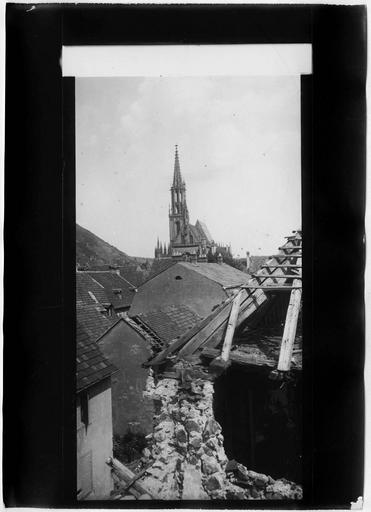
(248, 262)
(220, 259)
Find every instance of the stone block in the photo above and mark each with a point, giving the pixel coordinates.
(180, 434)
(192, 425)
(214, 482)
(146, 453)
(209, 465)
(212, 428)
(212, 443)
(192, 484)
(159, 436)
(195, 441)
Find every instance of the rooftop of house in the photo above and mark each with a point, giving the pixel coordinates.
(89, 291)
(159, 266)
(118, 290)
(91, 365)
(221, 273)
(132, 274)
(93, 319)
(169, 322)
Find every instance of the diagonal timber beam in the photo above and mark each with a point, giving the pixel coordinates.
(223, 359)
(288, 338)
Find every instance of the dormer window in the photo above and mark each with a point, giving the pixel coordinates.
(118, 292)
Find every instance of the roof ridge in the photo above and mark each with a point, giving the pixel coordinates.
(109, 328)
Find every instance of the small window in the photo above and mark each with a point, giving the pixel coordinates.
(178, 278)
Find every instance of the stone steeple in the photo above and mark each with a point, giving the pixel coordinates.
(178, 216)
(177, 179)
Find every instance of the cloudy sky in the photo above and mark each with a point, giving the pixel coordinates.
(239, 147)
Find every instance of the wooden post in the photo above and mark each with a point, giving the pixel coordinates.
(289, 332)
(231, 327)
(127, 477)
(223, 359)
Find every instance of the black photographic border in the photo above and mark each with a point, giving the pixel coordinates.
(39, 435)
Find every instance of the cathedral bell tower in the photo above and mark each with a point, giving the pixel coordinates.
(178, 214)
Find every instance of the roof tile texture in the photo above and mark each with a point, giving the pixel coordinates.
(170, 322)
(91, 365)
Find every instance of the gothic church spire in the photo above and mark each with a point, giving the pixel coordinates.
(177, 180)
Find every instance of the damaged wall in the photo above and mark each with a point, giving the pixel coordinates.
(186, 448)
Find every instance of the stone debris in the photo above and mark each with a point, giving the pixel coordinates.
(186, 449)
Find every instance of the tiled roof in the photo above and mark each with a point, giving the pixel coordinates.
(159, 266)
(94, 322)
(89, 291)
(221, 273)
(169, 322)
(131, 274)
(195, 233)
(91, 365)
(120, 292)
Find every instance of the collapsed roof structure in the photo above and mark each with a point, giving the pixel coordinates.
(249, 305)
(229, 388)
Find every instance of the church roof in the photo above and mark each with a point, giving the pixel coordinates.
(221, 273)
(195, 233)
(205, 233)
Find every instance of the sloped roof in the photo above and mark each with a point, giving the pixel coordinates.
(202, 228)
(132, 275)
(195, 233)
(111, 283)
(159, 266)
(89, 291)
(169, 322)
(94, 322)
(221, 273)
(91, 365)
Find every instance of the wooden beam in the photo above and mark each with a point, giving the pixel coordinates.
(288, 338)
(136, 477)
(286, 256)
(242, 358)
(223, 359)
(270, 288)
(274, 276)
(213, 332)
(245, 359)
(288, 265)
(231, 327)
(127, 477)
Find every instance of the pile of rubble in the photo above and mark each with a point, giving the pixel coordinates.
(185, 455)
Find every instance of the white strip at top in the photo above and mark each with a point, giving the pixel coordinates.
(187, 60)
